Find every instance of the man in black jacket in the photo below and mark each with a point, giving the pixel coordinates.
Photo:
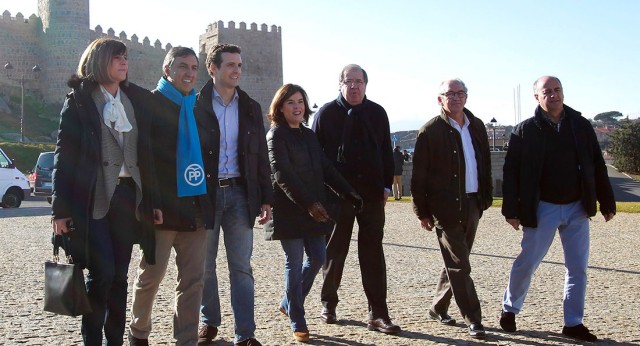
(398, 162)
(183, 228)
(451, 187)
(354, 134)
(242, 179)
(553, 174)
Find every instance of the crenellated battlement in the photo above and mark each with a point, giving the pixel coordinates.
(19, 19)
(98, 32)
(56, 37)
(219, 25)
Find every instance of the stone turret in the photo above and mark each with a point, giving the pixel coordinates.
(65, 25)
(261, 57)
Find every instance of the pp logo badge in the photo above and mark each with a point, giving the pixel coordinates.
(194, 174)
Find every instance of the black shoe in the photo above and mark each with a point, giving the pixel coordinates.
(384, 325)
(579, 332)
(206, 334)
(133, 341)
(444, 318)
(508, 321)
(249, 342)
(476, 330)
(328, 315)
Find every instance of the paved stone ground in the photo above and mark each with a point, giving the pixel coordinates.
(413, 261)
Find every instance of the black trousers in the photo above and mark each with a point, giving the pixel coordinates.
(370, 254)
(455, 279)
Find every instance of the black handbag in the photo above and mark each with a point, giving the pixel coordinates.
(64, 290)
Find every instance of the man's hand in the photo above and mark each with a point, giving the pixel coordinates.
(608, 216)
(427, 224)
(318, 213)
(157, 217)
(265, 214)
(515, 223)
(60, 225)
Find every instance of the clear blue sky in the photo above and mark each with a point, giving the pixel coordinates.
(408, 47)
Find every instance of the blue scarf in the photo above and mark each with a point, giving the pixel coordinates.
(189, 166)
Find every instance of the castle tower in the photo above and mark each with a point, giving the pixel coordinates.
(65, 25)
(261, 57)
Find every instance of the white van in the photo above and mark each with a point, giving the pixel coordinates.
(14, 186)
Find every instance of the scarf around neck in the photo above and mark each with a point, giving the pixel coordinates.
(113, 113)
(189, 167)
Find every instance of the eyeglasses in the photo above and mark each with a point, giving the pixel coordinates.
(352, 82)
(451, 94)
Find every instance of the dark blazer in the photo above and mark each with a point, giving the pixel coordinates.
(78, 156)
(179, 213)
(523, 168)
(252, 147)
(438, 179)
(368, 158)
(300, 170)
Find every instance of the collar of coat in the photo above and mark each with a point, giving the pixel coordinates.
(444, 117)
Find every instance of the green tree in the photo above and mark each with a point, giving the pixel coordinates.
(625, 146)
(608, 117)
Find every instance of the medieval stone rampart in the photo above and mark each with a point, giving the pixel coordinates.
(56, 38)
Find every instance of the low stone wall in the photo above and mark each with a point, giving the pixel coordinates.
(497, 161)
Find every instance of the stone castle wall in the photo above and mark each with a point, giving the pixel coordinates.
(19, 44)
(56, 38)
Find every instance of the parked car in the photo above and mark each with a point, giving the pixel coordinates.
(14, 186)
(40, 177)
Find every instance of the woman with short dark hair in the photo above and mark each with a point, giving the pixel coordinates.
(104, 182)
(302, 216)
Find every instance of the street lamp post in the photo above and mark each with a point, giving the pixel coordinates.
(493, 126)
(8, 67)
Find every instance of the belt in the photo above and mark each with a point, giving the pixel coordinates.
(226, 182)
(125, 181)
(472, 195)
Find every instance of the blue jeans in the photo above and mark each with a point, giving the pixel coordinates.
(232, 214)
(110, 245)
(298, 277)
(573, 225)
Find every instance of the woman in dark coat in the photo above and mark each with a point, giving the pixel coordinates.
(300, 218)
(104, 182)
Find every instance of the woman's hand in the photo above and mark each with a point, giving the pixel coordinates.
(60, 225)
(317, 211)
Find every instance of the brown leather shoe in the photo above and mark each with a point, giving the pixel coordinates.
(328, 315)
(206, 334)
(301, 336)
(384, 325)
(249, 342)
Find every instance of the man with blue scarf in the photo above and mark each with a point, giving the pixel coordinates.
(181, 167)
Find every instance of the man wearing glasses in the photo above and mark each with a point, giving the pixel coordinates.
(451, 187)
(553, 175)
(354, 133)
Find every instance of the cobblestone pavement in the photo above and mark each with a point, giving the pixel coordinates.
(413, 262)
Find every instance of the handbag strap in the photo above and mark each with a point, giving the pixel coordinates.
(60, 241)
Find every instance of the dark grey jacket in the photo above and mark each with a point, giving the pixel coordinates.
(300, 170)
(523, 168)
(78, 156)
(438, 179)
